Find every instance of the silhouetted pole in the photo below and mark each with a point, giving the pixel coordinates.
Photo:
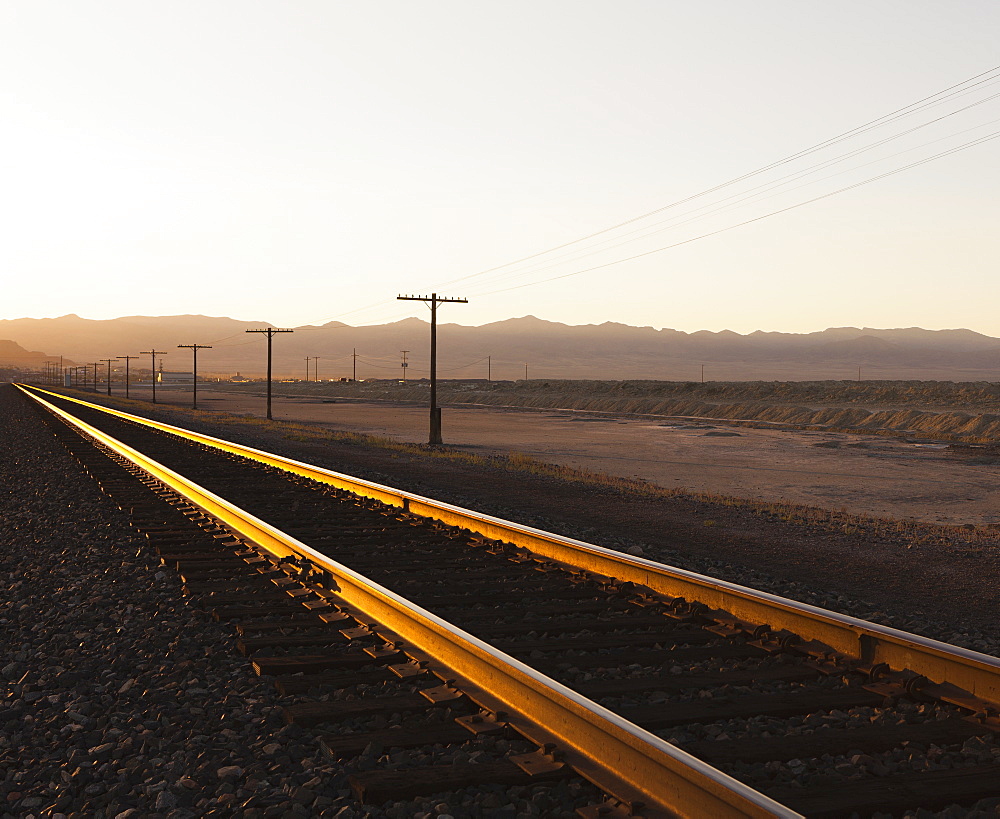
(525, 370)
(194, 387)
(404, 365)
(489, 369)
(354, 377)
(434, 300)
(702, 373)
(95, 365)
(316, 368)
(153, 354)
(269, 331)
(127, 359)
(109, 360)
(308, 359)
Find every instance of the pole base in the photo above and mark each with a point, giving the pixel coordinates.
(435, 437)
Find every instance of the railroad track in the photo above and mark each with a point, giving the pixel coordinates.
(396, 622)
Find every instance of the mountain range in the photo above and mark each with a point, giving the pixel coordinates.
(502, 349)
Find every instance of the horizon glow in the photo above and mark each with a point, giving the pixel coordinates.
(305, 162)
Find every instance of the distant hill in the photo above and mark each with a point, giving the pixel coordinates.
(13, 354)
(550, 349)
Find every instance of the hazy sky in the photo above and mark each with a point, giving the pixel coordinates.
(298, 162)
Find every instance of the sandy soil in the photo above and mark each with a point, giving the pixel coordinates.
(868, 475)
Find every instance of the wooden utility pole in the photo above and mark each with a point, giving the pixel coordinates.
(269, 331)
(308, 359)
(194, 386)
(154, 354)
(354, 377)
(108, 360)
(315, 368)
(489, 369)
(127, 359)
(434, 300)
(94, 365)
(404, 364)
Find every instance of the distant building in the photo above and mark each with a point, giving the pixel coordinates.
(174, 378)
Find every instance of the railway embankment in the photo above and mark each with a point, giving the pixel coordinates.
(938, 581)
(948, 411)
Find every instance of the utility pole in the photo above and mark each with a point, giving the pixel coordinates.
(859, 374)
(315, 368)
(308, 359)
(489, 369)
(434, 300)
(153, 354)
(702, 373)
(194, 386)
(95, 365)
(526, 371)
(127, 359)
(355, 376)
(269, 332)
(404, 365)
(108, 360)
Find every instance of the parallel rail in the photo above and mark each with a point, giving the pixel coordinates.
(976, 675)
(623, 759)
(629, 762)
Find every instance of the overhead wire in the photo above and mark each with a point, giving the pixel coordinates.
(958, 89)
(755, 195)
(893, 172)
(507, 274)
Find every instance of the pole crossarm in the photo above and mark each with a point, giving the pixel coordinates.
(433, 297)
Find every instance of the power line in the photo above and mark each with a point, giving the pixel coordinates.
(753, 194)
(947, 93)
(893, 172)
(670, 224)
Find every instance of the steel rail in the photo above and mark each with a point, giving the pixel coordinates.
(618, 756)
(971, 672)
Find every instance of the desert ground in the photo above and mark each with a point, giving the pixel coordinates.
(883, 476)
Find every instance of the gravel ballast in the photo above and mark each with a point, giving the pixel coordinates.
(123, 699)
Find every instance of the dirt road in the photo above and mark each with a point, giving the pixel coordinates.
(869, 475)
